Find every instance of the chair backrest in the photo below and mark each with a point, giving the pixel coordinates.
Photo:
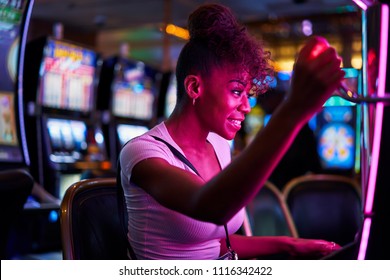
(268, 213)
(91, 223)
(325, 206)
(15, 187)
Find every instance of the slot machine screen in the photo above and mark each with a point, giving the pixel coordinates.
(9, 145)
(11, 14)
(134, 93)
(336, 139)
(79, 135)
(338, 131)
(67, 77)
(68, 140)
(127, 132)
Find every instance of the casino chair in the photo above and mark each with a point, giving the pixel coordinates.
(325, 206)
(93, 221)
(268, 213)
(15, 187)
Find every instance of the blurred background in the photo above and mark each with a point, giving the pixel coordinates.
(282, 24)
(81, 78)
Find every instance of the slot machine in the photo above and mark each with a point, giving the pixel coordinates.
(64, 132)
(374, 243)
(128, 95)
(337, 130)
(371, 242)
(37, 228)
(13, 28)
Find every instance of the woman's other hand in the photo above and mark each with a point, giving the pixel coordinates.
(311, 248)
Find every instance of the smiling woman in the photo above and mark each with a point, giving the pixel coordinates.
(184, 195)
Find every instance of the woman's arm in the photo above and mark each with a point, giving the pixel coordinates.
(219, 199)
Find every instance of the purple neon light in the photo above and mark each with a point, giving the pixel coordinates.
(22, 45)
(377, 132)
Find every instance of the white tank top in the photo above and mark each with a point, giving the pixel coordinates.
(156, 232)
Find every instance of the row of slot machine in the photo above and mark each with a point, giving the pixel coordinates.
(81, 109)
(65, 113)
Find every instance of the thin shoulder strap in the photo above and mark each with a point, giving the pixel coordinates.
(189, 164)
(178, 155)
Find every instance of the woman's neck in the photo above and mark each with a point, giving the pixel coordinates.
(189, 135)
(186, 130)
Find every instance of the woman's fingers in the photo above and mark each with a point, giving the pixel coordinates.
(314, 47)
(317, 73)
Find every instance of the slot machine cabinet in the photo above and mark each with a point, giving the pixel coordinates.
(64, 130)
(372, 242)
(13, 152)
(128, 94)
(37, 228)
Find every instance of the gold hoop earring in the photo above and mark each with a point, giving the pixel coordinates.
(193, 101)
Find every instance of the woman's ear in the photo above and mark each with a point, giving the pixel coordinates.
(192, 85)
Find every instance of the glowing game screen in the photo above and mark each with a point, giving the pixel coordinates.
(67, 77)
(134, 93)
(11, 14)
(127, 132)
(9, 144)
(8, 134)
(336, 138)
(68, 139)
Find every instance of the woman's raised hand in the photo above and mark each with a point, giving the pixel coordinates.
(316, 76)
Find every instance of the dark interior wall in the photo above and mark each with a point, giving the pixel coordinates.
(39, 28)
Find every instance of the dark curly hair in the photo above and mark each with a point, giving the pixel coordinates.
(218, 39)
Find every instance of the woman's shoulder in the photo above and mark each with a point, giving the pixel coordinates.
(145, 146)
(143, 139)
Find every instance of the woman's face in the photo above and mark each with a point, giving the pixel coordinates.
(224, 102)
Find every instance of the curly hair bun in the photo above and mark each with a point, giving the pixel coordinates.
(217, 38)
(213, 20)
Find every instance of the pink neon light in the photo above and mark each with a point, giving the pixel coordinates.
(379, 108)
(377, 130)
(361, 4)
(365, 235)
